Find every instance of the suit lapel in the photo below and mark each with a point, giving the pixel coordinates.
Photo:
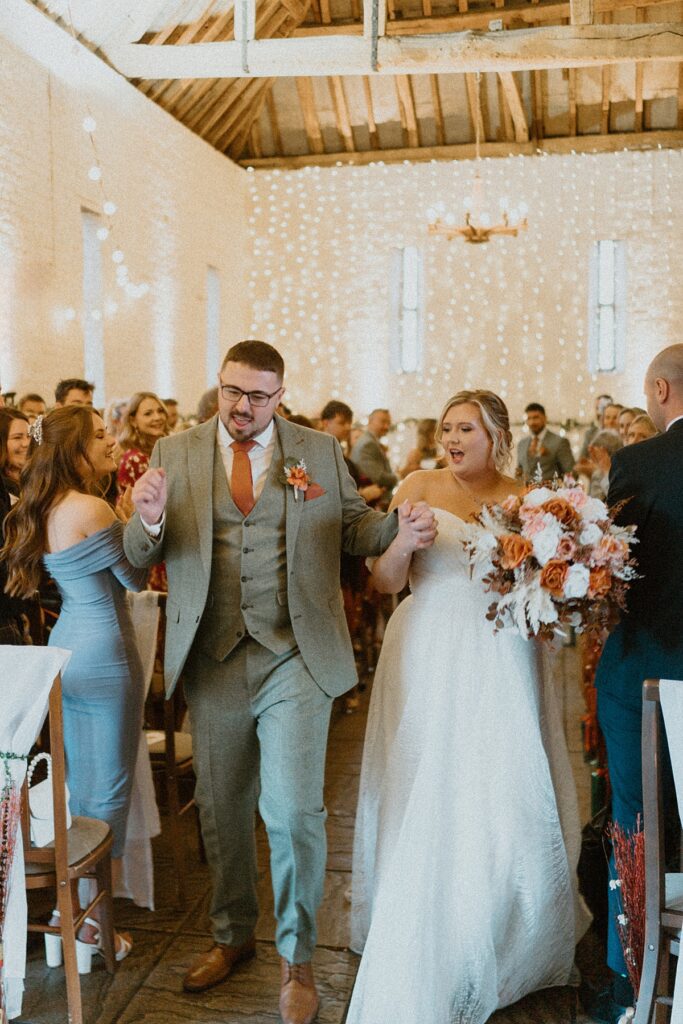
(292, 444)
(200, 454)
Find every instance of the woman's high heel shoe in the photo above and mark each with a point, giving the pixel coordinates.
(84, 950)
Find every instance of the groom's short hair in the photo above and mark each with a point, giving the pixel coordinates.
(258, 355)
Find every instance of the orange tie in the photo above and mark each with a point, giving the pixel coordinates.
(241, 484)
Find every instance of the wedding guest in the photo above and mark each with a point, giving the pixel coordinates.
(542, 448)
(626, 418)
(259, 634)
(59, 522)
(425, 454)
(12, 623)
(641, 429)
(610, 416)
(601, 450)
(32, 405)
(302, 421)
(369, 454)
(14, 445)
(207, 405)
(648, 642)
(115, 420)
(601, 402)
(74, 391)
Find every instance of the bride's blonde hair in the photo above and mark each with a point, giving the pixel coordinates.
(494, 416)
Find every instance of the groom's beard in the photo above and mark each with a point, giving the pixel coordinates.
(242, 427)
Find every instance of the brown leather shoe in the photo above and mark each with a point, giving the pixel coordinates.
(216, 965)
(299, 1001)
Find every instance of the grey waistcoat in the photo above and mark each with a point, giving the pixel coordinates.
(248, 585)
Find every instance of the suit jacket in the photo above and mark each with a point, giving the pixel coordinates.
(316, 532)
(556, 457)
(370, 459)
(649, 639)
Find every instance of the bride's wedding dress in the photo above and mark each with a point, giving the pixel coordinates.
(467, 834)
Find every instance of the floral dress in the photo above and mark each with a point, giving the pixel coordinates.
(134, 462)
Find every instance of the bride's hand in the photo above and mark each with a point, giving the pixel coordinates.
(416, 525)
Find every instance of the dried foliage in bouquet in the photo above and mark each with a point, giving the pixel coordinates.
(629, 860)
(556, 558)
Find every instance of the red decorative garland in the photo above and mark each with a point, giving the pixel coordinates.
(629, 859)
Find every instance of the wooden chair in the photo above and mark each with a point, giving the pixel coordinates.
(171, 756)
(84, 851)
(663, 891)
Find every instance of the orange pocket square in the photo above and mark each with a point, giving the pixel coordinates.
(314, 491)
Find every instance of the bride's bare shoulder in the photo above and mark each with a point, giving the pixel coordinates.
(512, 485)
(417, 486)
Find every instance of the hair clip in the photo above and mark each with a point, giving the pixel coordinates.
(35, 430)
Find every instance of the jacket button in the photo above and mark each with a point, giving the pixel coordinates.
(238, 634)
(245, 551)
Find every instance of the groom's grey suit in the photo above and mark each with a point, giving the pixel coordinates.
(256, 624)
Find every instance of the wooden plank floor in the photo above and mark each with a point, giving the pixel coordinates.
(147, 986)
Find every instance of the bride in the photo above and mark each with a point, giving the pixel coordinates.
(467, 833)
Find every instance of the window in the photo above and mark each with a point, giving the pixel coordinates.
(93, 302)
(607, 307)
(406, 310)
(213, 324)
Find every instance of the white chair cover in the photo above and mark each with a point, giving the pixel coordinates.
(136, 881)
(671, 697)
(26, 676)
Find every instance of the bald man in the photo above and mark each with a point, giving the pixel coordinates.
(648, 642)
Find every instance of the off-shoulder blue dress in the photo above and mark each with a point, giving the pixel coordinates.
(102, 686)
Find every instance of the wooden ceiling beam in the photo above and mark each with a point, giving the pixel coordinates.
(606, 87)
(439, 125)
(236, 128)
(515, 14)
(222, 26)
(406, 106)
(341, 112)
(581, 12)
(314, 136)
(680, 95)
(515, 105)
(529, 49)
(537, 106)
(189, 35)
(474, 107)
(274, 122)
(571, 90)
(638, 83)
(236, 98)
(506, 130)
(235, 147)
(370, 112)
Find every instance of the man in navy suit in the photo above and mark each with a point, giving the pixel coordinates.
(648, 642)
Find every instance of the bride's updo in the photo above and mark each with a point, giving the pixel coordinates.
(494, 416)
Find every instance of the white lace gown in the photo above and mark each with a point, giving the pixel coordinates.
(467, 834)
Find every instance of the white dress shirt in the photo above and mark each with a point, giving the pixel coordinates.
(260, 456)
(670, 425)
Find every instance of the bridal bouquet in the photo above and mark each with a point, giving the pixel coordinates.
(555, 557)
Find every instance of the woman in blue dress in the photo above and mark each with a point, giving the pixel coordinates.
(60, 521)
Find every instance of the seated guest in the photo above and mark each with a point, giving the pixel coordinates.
(641, 429)
(601, 451)
(14, 445)
(425, 454)
(207, 405)
(370, 456)
(601, 402)
(32, 405)
(542, 448)
(59, 523)
(74, 391)
(174, 421)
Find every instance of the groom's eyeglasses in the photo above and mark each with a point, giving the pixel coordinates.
(255, 398)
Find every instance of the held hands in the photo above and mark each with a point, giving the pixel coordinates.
(416, 526)
(149, 495)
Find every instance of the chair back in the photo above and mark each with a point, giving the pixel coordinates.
(653, 823)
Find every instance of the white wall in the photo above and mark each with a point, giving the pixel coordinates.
(181, 206)
(510, 315)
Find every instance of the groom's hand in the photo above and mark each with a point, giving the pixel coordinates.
(416, 525)
(149, 495)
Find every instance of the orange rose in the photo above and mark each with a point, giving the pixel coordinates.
(553, 576)
(599, 582)
(561, 509)
(515, 550)
(298, 477)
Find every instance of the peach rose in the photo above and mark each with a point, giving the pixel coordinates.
(511, 503)
(515, 550)
(610, 549)
(553, 576)
(297, 477)
(562, 510)
(600, 582)
(566, 548)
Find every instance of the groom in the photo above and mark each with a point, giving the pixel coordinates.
(255, 622)
(648, 642)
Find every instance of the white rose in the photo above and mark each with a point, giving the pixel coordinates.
(590, 534)
(576, 583)
(593, 510)
(545, 541)
(537, 496)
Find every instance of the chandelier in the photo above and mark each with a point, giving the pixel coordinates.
(479, 223)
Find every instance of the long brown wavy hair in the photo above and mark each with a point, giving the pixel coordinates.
(55, 466)
(7, 418)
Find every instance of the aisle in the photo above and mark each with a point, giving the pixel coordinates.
(147, 986)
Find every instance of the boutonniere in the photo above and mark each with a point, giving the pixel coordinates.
(296, 476)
